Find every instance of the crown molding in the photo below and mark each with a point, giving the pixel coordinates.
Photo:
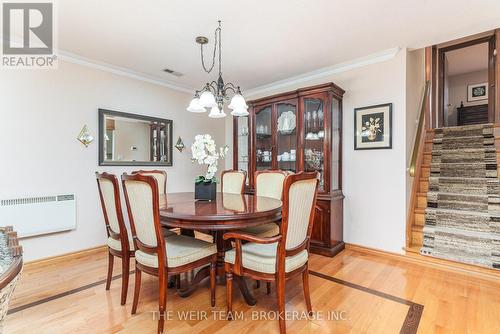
(291, 81)
(102, 66)
(79, 60)
(325, 72)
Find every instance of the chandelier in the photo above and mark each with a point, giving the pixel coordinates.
(213, 96)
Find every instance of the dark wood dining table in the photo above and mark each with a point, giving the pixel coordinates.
(228, 212)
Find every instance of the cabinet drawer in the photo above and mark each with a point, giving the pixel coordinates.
(321, 228)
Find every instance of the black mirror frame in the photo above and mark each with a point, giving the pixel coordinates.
(168, 122)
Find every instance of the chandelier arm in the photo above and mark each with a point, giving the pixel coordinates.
(231, 88)
(213, 85)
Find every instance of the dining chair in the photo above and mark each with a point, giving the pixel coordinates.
(155, 254)
(159, 175)
(281, 257)
(118, 241)
(161, 179)
(233, 181)
(268, 183)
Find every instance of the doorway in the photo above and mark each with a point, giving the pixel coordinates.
(466, 83)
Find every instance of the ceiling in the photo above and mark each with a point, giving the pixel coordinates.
(263, 41)
(470, 59)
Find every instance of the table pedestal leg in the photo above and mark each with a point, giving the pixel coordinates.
(193, 285)
(222, 247)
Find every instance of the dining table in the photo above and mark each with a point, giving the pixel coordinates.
(228, 212)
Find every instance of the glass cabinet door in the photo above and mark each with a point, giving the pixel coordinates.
(314, 137)
(287, 136)
(243, 141)
(264, 139)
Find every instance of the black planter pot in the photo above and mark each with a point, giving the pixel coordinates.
(205, 191)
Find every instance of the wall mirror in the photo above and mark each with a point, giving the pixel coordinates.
(134, 140)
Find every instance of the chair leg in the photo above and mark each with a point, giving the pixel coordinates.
(280, 289)
(305, 283)
(229, 293)
(137, 289)
(212, 281)
(257, 284)
(268, 286)
(163, 282)
(125, 277)
(111, 260)
(178, 281)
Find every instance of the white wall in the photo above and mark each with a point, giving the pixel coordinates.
(42, 111)
(457, 91)
(373, 180)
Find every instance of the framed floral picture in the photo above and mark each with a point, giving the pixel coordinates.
(477, 92)
(373, 127)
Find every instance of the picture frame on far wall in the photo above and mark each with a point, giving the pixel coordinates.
(373, 127)
(477, 92)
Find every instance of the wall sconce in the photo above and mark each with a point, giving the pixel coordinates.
(84, 136)
(180, 145)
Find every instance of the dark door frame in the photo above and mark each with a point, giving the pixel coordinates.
(491, 40)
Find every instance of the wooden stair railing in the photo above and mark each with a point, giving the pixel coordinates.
(419, 188)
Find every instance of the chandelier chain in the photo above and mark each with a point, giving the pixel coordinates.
(217, 45)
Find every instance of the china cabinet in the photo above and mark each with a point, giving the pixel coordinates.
(299, 131)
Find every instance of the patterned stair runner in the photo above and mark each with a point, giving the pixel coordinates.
(462, 218)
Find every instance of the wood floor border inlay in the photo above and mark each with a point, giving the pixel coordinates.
(410, 324)
(412, 320)
(62, 294)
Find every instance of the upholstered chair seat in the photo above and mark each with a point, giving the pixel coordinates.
(262, 258)
(266, 230)
(117, 245)
(181, 250)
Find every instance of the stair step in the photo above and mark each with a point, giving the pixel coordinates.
(425, 170)
(417, 235)
(421, 200)
(427, 158)
(413, 249)
(419, 219)
(428, 145)
(462, 212)
(424, 185)
(459, 201)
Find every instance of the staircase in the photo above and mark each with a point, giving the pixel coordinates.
(417, 218)
(460, 200)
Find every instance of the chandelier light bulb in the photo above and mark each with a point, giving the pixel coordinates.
(215, 112)
(238, 102)
(195, 106)
(240, 112)
(207, 99)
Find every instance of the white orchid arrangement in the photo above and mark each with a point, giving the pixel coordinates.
(205, 152)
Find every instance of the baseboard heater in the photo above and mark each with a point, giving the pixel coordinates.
(33, 216)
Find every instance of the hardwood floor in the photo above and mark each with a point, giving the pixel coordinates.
(351, 293)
